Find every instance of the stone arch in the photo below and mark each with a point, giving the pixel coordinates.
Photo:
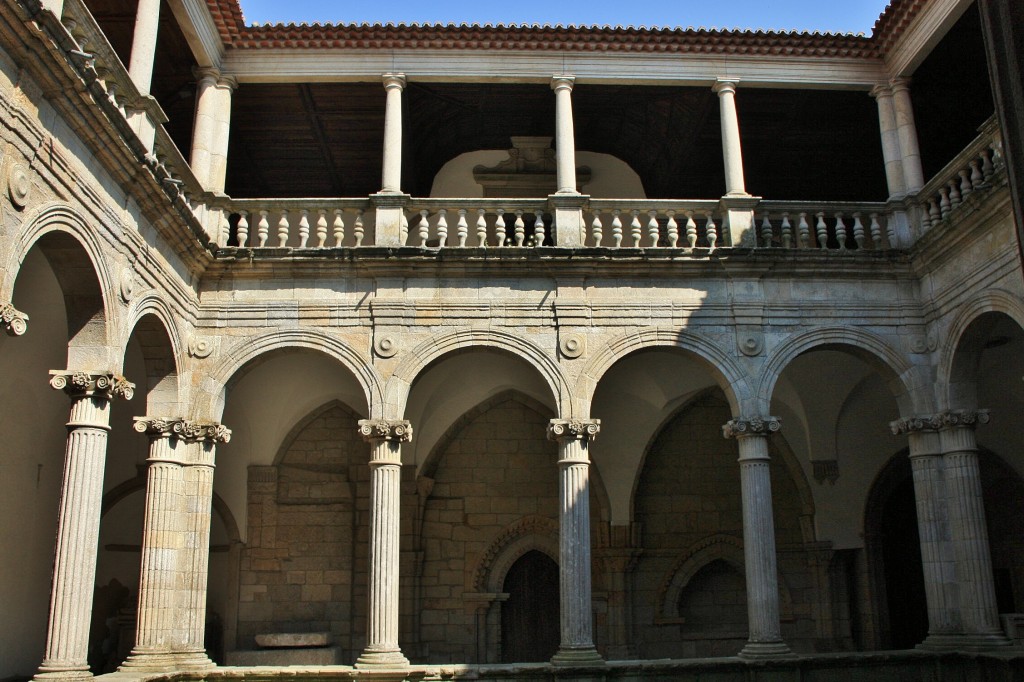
(730, 377)
(900, 374)
(304, 422)
(531, 533)
(212, 405)
(722, 547)
(157, 336)
(961, 349)
(396, 392)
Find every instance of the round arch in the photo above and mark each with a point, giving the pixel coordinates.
(157, 335)
(731, 379)
(899, 373)
(396, 392)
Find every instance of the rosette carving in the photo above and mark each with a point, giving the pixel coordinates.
(572, 345)
(965, 418)
(916, 424)
(744, 427)
(385, 346)
(574, 429)
(183, 429)
(399, 430)
(18, 185)
(81, 383)
(14, 322)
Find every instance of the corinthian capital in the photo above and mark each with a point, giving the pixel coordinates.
(14, 322)
(92, 384)
(183, 429)
(573, 429)
(916, 424)
(399, 430)
(744, 427)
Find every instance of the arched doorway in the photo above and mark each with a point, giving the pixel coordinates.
(530, 617)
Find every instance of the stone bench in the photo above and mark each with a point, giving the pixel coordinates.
(289, 648)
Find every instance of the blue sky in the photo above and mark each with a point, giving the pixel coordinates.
(847, 16)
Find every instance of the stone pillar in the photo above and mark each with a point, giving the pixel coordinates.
(565, 137)
(577, 617)
(386, 438)
(979, 615)
(732, 151)
(937, 560)
(205, 126)
(78, 525)
(913, 175)
(765, 636)
(222, 133)
(391, 176)
(890, 140)
(618, 564)
(13, 321)
(147, 25)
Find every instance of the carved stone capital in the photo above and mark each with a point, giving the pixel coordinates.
(14, 322)
(916, 424)
(562, 82)
(965, 419)
(92, 384)
(725, 86)
(399, 430)
(573, 429)
(394, 80)
(744, 427)
(183, 429)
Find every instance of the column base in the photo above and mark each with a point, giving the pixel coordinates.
(759, 651)
(985, 641)
(577, 656)
(141, 660)
(51, 673)
(390, 659)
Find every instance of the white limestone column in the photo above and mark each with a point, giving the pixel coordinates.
(765, 631)
(385, 437)
(78, 525)
(577, 618)
(937, 560)
(147, 25)
(13, 321)
(978, 612)
(890, 140)
(732, 151)
(160, 574)
(204, 127)
(222, 133)
(913, 175)
(391, 176)
(565, 136)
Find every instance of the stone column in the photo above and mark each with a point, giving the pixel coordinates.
(565, 137)
(78, 525)
(221, 134)
(391, 176)
(147, 25)
(205, 126)
(979, 615)
(13, 321)
(160, 575)
(937, 560)
(913, 175)
(577, 618)
(732, 151)
(385, 437)
(618, 564)
(765, 636)
(890, 140)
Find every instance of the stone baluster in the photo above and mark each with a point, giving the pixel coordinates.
(859, 235)
(616, 228)
(565, 137)
(78, 522)
(890, 140)
(653, 229)
(283, 229)
(731, 148)
(385, 438)
(938, 564)
(321, 228)
(520, 229)
(391, 175)
(906, 130)
(597, 228)
(263, 229)
(243, 228)
(499, 227)
(538, 228)
(821, 231)
(803, 232)
(876, 231)
(303, 228)
(765, 633)
(338, 228)
(462, 228)
(481, 227)
(574, 437)
(766, 231)
(712, 232)
(979, 615)
(14, 322)
(691, 231)
(787, 232)
(672, 228)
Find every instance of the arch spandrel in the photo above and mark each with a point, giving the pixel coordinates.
(165, 399)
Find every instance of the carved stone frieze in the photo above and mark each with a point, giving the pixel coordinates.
(183, 429)
(940, 420)
(81, 383)
(573, 429)
(14, 322)
(399, 430)
(965, 418)
(751, 426)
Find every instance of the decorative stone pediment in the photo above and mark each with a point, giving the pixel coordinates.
(529, 171)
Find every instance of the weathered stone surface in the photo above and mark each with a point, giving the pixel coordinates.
(279, 640)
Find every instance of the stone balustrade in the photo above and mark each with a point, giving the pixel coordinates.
(479, 223)
(829, 226)
(299, 223)
(647, 223)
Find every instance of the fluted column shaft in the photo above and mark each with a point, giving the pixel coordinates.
(205, 126)
(765, 631)
(196, 559)
(910, 153)
(385, 438)
(78, 525)
(577, 619)
(391, 175)
(565, 135)
(13, 321)
(732, 151)
(147, 25)
(978, 611)
(890, 139)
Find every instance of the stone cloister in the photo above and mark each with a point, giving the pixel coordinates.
(414, 350)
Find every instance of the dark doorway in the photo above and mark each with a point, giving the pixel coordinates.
(529, 619)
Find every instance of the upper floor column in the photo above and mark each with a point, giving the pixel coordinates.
(913, 175)
(147, 25)
(391, 175)
(732, 151)
(890, 140)
(565, 136)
